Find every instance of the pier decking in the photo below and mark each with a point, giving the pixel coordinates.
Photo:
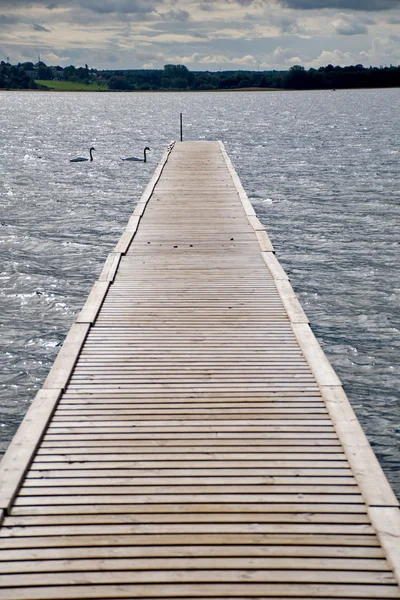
(191, 439)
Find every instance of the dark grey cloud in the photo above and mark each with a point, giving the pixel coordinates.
(37, 27)
(285, 23)
(206, 7)
(116, 6)
(97, 6)
(9, 20)
(177, 15)
(369, 5)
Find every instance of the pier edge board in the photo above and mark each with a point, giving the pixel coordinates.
(110, 267)
(368, 473)
(386, 522)
(94, 302)
(65, 361)
(133, 223)
(248, 207)
(21, 450)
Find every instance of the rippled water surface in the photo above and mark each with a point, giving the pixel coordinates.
(322, 171)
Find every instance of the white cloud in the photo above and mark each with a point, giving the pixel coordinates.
(385, 50)
(348, 24)
(248, 61)
(334, 57)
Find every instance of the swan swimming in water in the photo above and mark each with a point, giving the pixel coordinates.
(134, 158)
(82, 159)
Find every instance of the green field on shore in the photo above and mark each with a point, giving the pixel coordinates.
(70, 86)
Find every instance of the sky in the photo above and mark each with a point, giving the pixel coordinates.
(207, 35)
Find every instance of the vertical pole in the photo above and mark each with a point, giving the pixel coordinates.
(181, 126)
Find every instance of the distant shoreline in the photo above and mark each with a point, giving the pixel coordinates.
(223, 91)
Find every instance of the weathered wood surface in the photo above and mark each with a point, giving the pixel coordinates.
(203, 446)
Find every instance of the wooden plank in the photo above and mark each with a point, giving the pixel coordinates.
(21, 451)
(264, 241)
(125, 519)
(294, 497)
(63, 366)
(184, 563)
(132, 225)
(386, 521)
(348, 543)
(290, 302)
(255, 223)
(140, 208)
(126, 238)
(103, 511)
(141, 551)
(110, 267)
(237, 576)
(248, 208)
(196, 455)
(98, 480)
(274, 266)
(367, 470)
(182, 513)
(190, 528)
(94, 302)
(319, 364)
(203, 591)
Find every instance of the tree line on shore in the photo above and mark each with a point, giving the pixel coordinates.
(178, 77)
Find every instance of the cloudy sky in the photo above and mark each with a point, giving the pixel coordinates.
(202, 34)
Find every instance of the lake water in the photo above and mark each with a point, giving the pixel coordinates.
(321, 169)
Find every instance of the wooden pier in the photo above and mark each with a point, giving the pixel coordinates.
(191, 439)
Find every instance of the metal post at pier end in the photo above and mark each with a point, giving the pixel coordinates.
(181, 127)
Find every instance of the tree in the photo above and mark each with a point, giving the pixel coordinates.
(176, 72)
(69, 73)
(179, 83)
(119, 83)
(45, 72)
(296, 78)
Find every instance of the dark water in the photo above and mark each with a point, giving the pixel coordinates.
(321, 168)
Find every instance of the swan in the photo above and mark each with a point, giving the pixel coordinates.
(82, 159)
(134, 158)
